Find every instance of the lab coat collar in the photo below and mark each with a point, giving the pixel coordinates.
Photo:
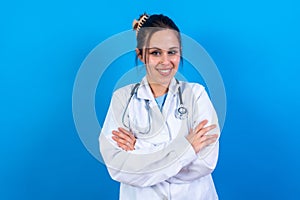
(144, 91)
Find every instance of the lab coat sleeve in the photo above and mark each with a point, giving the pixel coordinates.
(207, 158)
(145, 166)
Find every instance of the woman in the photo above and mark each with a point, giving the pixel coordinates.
(160, 136)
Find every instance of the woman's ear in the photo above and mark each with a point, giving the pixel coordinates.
(139, 54)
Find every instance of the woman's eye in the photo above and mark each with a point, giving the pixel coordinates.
(172, 52)
(155, 53)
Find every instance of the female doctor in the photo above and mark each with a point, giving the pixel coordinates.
(160, 136)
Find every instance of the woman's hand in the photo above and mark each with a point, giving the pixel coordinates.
(124, 139)
(198, 137)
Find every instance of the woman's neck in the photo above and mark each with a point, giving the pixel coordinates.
(158, 89)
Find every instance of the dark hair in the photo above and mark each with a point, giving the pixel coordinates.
(154, 23)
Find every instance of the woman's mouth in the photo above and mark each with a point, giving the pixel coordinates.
(165, 72)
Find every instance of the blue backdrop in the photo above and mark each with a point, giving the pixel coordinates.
(255, 45)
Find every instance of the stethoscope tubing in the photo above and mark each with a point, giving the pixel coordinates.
(180, 113)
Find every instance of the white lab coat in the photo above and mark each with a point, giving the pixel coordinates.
(163, 164)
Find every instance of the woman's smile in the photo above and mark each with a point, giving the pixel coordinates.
(165, 72)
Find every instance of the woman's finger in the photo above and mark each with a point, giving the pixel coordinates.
(207, 137)
(200, 126)
(123, 144)
(209, 141)
(205, 141)
(123, 141)
(124, 147)
(203, 131)
(128, 133)
(123, 136)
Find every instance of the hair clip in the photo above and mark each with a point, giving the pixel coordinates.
(137, 24)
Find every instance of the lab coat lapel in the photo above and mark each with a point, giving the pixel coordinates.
(144, 91)
(170, 103)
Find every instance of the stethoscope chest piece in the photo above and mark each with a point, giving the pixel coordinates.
(181, 112)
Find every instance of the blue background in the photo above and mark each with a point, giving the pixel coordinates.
(255, 45)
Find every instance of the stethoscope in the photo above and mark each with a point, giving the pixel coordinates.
(180, 113)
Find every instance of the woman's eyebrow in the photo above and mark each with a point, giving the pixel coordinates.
(150, 48)
(171, 48)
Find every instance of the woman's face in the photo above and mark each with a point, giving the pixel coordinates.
(163, 57)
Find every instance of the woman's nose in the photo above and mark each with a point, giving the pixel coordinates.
(164, 59)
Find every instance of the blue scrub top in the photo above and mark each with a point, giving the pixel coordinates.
(160, 101)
